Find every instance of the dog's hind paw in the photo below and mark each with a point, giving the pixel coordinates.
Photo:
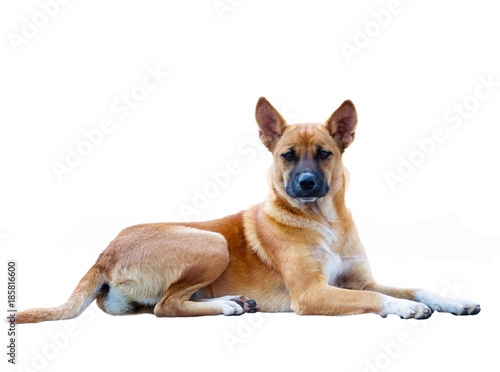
(231, 308)
(250, 306)
(235, 305)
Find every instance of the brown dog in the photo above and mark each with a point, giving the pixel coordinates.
(297, 251)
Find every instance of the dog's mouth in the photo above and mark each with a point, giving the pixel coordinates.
(307, 200)
(309, 196)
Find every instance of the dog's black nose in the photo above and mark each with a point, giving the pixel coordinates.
(307, 181)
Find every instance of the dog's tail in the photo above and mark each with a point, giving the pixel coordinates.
(81, 298)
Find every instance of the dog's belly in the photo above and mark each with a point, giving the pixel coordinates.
(274, 301)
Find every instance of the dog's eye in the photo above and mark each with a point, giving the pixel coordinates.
(288, 156)
(323, 154)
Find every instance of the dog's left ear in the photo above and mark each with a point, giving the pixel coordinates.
(342, 124)
(271, 123)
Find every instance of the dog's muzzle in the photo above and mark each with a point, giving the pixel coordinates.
(306, 186)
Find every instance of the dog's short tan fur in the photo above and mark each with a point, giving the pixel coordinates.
(285, 254)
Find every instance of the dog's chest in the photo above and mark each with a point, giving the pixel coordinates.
(334, 265)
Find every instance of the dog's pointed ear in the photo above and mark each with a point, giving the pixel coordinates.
(342, 124)
(271, 123)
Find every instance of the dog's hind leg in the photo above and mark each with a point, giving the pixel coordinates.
(206, 263)
(177, 302)
(176, 305)
(156, 268)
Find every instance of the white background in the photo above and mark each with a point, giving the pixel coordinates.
(438, 229)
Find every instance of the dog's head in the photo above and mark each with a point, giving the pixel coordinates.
(307, 157)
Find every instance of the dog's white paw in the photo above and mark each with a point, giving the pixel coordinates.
(232, 305)
(406, 309)
(448, 305)
(230, 308)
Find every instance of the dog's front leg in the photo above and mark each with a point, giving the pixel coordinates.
(323, 299)
(434, 301)
(311, 294)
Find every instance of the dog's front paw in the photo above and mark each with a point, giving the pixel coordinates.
(448, 305)
(466, 308)
(406, 309)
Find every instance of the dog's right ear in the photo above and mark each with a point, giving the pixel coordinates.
(271, 123)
